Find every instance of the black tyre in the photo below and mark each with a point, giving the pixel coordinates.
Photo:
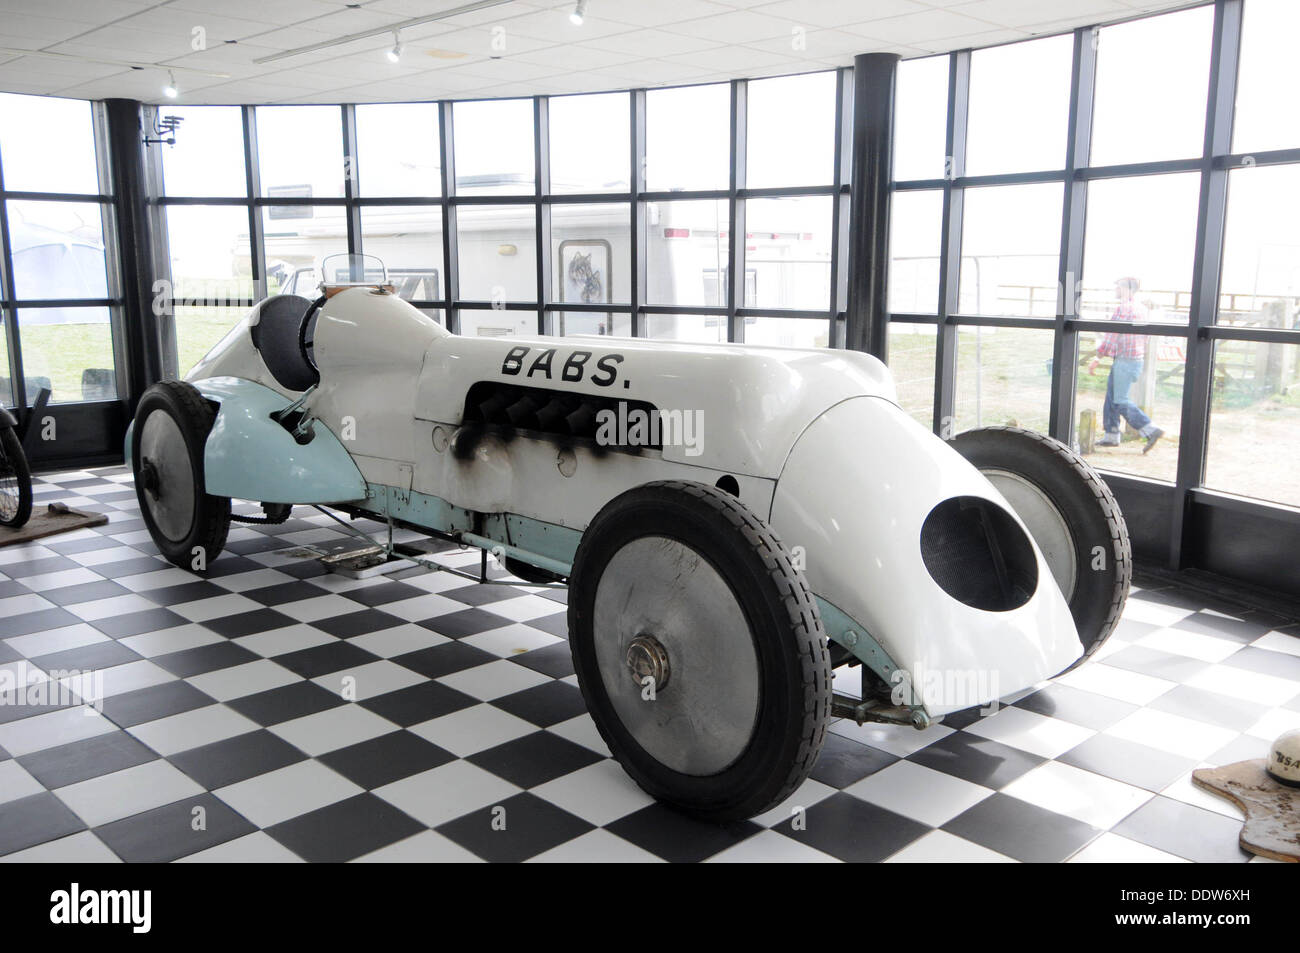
(15, 481)
(172, 423)
(699, 650)
(1072, 516)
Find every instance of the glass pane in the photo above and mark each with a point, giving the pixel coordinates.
(58, 158)
(788, 253)
(915, 236)
(208, 158)
(1123, 396)
(298, 239)
(790, 135)
(911, 361)
(408, 240)
(591, 258)
(578, 322)
(1142, 228)
(1261, 283)
(210, 257)
(498, 253)
(699, 328)
(1004, 377)
(6, 372)
(1152, 76)
(686, 253)
(1256, 407)
(198, 329)
(1019, 106)
(787, 332)
(58, 249)
(494, 147)
(70, 351)
(1010, 250)
(688, 138)
(300, 151)
(497, 322)
(921, 119)
(397, 149)
(590, 143)
(1266, 117)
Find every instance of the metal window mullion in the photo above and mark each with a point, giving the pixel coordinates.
(840, 203)
(450, 276)
(164, 340)
(9, 294)
(1197, 393)
(541, 187)
(1065, 342)
(638, 221)
(253, 182)
(736, 212)
(945, 348)
(351, 181)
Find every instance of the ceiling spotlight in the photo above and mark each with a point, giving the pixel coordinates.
(395, 54)
(170, 90)
(579, 11)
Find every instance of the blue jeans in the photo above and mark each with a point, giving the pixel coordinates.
(1124, 373)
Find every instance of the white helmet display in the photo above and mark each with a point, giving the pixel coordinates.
(1284, 758)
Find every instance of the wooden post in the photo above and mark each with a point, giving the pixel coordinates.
(1087, 430)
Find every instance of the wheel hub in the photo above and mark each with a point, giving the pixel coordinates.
(646, 656)
(149, 477)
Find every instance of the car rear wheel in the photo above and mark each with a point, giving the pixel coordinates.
(188, 525)
(699, 650)
(1072, 516)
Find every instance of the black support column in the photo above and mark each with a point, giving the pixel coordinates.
(874, 75)
(135, 246)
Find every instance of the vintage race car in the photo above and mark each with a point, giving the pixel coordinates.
(733, 522)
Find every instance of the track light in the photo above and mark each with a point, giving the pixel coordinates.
(170, 90)
(395, 54)
(579, 11)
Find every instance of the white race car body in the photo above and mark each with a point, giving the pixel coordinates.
(814, 441)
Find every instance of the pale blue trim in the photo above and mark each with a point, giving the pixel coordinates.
(250, 456)
(842, 630)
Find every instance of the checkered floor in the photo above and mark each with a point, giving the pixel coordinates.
(273, 712)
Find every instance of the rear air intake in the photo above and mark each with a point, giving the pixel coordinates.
(979, 555)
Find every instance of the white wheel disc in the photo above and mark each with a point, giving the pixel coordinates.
(1045, 524)
(661, 608)
(171, 500)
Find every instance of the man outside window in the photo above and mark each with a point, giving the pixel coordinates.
(1127, 352)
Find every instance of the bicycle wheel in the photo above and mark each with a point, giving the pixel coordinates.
(15, 481)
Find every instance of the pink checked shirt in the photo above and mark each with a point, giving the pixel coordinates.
(1125, 346)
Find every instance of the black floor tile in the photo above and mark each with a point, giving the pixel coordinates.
(236, 759)
(277, 705)
(154, 702)
(844, 762)
(249, 623)
(553, 660)
(418, 703)
(1236, 630)
(205, 658)
(85, 592)
(39, 621)
(1128, 761)
(440, 660)
(358, 623)
(1166, 665)
(135, 623)
(346, 830)
(384, 593)
(677, 838)
(852, 830)
(168, 833)
(39, 566)
(534, 759)
(457, 625)
(34, 820)
(544, 705)
(479, 595)
(557, 624)
(185, 592)
(976, 759)
(69, 546)
(391, 757)
(514, 830)
(1185, 831)
(1077, 707)
(1210, 707)
(285, 592)
(1023, 831)
(1267, 662)
(230, 564)
(89, 758)
(85, 658)
(325, 659)
(131, 567)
